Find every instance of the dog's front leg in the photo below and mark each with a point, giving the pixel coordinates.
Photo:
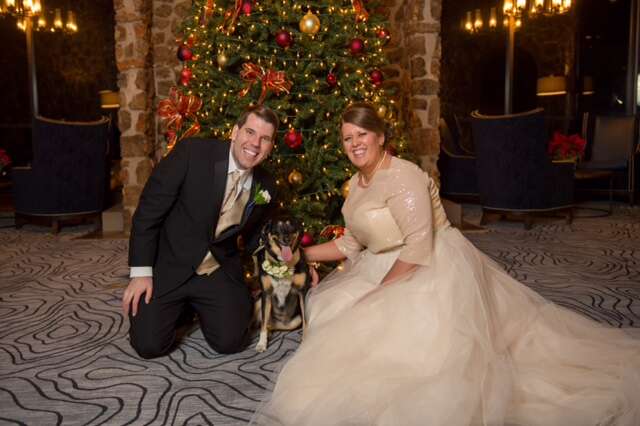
(264, 329)
(303, 315)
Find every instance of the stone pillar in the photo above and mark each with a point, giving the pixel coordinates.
(135, 80)
(415, 55)
(167, 18)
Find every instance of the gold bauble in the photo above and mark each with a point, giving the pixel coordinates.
(309, 24)
(381, 111)
(345, 189)
(295, 177)
(222, 59)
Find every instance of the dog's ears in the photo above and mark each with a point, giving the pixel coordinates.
(264, 236)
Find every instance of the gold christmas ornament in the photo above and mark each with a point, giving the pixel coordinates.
(381, 111)
(309, 24)
(295, 177)
(222, 59)
(345, 189)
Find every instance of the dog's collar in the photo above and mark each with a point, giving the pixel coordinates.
(277, 269)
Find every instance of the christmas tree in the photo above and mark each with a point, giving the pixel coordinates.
(305, 61)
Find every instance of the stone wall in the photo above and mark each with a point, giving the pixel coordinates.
(146, 34)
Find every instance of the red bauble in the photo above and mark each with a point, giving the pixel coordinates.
(356, 46)
(391, 150)
(246, 8)
(284, 38)
(170, 135)
(186, 73)
(184, 53)
(306, 240)
(293, 139)
(376, 77)
(332, 79)
(184, 81)
(383, 33)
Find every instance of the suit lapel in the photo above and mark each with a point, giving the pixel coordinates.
(220, 168)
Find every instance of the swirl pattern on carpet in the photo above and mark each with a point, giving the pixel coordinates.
(65, 356)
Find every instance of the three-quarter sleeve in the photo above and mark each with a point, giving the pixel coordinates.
(348, 245)
(410, 206)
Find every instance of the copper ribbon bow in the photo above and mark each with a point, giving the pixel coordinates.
(332, 231)
(174, 110)
(361, 12)
(207, 12)
(271, 80)
(231, 16)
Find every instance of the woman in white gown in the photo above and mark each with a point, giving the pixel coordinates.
(421, 328)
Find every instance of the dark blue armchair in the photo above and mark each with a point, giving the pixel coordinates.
(67, 179)
(515, 174)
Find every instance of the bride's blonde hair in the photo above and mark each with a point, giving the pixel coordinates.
(364, 115)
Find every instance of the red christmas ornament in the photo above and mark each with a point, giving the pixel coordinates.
(376, 77)
(383, 33)
(184, 53)
(186, 73)
(306, 240)
(293, 139)
(246, 8)
(284, 38)
(332, 79)
(170, 135)
(356, 46)
(391, 150)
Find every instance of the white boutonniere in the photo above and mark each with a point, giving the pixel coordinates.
(261, 196)
(277, 270)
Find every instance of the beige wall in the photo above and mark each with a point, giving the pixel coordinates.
(146, 33)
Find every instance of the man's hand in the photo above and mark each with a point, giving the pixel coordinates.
(315, 279)
(134, 291)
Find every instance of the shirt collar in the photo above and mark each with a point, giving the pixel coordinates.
(233, 166)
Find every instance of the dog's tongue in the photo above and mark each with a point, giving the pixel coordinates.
(285, 252)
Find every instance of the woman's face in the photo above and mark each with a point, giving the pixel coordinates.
(363, 147)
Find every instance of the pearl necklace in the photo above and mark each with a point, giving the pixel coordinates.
(366, 182)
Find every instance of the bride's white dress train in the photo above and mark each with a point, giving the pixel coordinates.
(459, 342)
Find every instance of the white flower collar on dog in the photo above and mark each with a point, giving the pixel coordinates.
(277, 270)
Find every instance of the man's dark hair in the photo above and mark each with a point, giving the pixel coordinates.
(263, 113)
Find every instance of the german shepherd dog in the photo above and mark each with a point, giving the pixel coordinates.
(284, 278)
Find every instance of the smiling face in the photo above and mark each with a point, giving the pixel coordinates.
(252, 143)
(362, 146)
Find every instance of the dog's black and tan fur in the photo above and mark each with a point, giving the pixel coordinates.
(281, 304)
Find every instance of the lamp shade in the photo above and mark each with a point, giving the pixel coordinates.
(552, 85)
(109, 99)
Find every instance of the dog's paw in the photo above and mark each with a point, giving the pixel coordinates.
(262, 344)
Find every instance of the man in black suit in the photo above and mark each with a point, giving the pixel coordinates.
(183, 250)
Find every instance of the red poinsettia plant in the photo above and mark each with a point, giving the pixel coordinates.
(563, 147)
(5, 161)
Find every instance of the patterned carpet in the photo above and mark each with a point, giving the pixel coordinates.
(65, 359)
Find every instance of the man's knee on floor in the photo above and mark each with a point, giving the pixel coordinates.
(148, 347)
(227, 343)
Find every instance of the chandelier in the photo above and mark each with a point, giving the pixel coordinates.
(33, 12)
(517, 9)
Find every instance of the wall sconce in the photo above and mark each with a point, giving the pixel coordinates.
(552, 86)
(109, 99)
(493, 20)
(477, 23)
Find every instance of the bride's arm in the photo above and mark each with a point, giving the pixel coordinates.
(410, 205)
(325, 252)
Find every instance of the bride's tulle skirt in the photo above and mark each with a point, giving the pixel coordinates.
(460, 342)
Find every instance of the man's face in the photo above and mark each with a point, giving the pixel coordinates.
(253, 142)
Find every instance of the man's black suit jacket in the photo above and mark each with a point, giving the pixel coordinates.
(174, 224)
